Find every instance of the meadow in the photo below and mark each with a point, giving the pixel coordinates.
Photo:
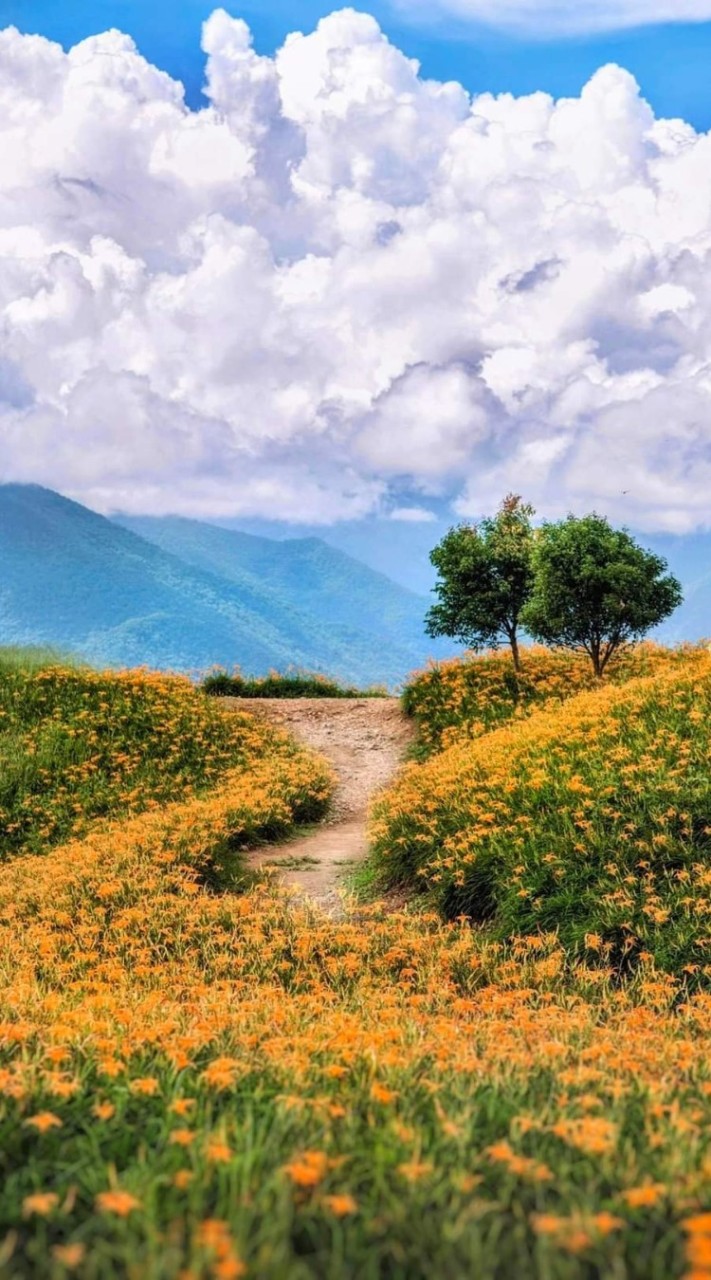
(200, 1079)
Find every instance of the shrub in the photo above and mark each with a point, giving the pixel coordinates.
(292, 685)
(591, 819)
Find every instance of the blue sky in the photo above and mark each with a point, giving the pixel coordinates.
(671, 62)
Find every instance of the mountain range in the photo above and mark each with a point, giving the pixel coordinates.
(177, 594)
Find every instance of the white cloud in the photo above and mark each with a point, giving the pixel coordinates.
(565, 17)
(339, 283)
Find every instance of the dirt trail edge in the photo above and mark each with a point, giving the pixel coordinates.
(365, 740)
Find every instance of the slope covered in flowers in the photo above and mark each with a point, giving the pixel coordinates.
(78, 745)
(199, 1084)
(591, 818)
(466, 697)
(212, 1085)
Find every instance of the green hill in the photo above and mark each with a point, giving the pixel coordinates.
(305, 573)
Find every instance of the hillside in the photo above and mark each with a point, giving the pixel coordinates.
(305, 573)
(74, 579)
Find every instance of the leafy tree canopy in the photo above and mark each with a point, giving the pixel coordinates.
(596, 588)
(485, 578)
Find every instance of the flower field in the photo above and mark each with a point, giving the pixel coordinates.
(468, 697)
(592, 817)
(197, 1082)
(78, 745)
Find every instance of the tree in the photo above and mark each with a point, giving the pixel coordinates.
(596, 589)
(485, 578)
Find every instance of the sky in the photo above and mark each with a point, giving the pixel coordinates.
(670, 61)
(337, 284)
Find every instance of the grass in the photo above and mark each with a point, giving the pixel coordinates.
(291, 685)
(199, 1084)
(33, 658)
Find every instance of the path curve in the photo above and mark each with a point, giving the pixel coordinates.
(365, 740)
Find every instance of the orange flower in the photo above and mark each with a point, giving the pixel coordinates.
(145, 1085)
(119, 1202)
(43, 1121)
(182, 1137)
(69, 1255)
(183, 1178)
(379, 1093)
(229, 1268)
(644, 1197)
(308, 1169)
(218, 1152)
(698, 1224)
(606, 1223)
(341, 1205)
(42, 1203)
(182, 1106)
(104, 1110)
(414, 1170)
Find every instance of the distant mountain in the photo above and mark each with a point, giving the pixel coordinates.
(71, 578)
(401, 550)
(305, 573)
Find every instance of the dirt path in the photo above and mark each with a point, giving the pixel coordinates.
(365, 740)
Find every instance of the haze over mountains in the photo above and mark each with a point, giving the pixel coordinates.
(181, 595)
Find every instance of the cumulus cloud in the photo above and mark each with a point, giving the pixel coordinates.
(341, 288)
(566, 17)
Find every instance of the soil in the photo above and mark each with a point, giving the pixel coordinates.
(365, 740)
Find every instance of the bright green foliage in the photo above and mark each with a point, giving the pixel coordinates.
(485, 578)
(596, 589)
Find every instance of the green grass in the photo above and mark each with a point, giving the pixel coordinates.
(297, 685)
(33, 658)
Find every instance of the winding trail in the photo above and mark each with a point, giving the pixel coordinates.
(365, 740)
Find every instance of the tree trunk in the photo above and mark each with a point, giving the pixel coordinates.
(513, 639)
